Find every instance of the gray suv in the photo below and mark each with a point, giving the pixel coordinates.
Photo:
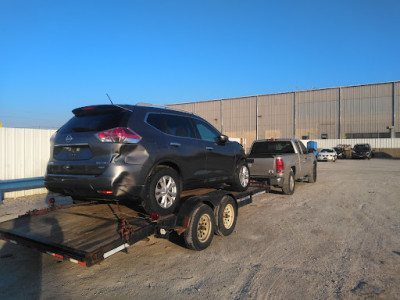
(141, 153)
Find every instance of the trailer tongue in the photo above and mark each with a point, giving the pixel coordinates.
(88, 233)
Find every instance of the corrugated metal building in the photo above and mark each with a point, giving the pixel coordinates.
(364, 111)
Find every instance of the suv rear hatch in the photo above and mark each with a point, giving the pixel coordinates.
(82, 145)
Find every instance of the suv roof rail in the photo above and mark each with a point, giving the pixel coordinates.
(163, 106)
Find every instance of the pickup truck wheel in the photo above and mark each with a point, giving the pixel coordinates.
(313, 177)
(241, 178)
(225, 216)
(162, 191)
(200, 231)
(289, 186)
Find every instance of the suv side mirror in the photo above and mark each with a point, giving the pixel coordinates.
(311, 150)
(223, 139)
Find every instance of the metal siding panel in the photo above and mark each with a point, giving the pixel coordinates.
(397, 107)
(3, 146)
(317, 112)
(210, 111)
(24, 153)
(367, 109)
(189, 107)
(239, 119)
(275, 116)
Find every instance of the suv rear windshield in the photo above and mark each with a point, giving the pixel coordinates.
(272, 147)
(362, 147)
(96, 122)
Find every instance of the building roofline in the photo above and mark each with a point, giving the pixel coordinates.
(282, 93)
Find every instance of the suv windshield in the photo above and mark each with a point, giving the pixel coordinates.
(95, 122)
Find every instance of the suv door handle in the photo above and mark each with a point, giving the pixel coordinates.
(175, 145)
(209, 148)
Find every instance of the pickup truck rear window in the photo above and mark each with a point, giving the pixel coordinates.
(272, 147)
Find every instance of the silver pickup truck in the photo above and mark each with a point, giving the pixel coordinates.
(281, 162)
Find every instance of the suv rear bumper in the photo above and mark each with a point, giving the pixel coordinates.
(360, 155)
(117, 182)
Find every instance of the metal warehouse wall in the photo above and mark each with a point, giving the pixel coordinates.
(317, 113)
(364, 111)
(275, 116)
(239, 118)
(396, 101)
(24, 153)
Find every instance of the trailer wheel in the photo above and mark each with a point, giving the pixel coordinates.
(289, 186)
(200, 231)
(225, 216)
(162, 191)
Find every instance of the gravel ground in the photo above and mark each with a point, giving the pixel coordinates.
(338, 238)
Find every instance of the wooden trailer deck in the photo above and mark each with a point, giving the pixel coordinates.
(85, 233)
(90, 232)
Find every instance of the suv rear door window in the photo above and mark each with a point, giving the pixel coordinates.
(172, 124)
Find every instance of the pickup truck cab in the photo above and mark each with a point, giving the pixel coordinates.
(281, 162)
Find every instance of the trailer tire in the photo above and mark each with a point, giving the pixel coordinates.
(163, 191)
(226, 216)
(200, 231)
(241, 177)
(313, 177)
(289, 186)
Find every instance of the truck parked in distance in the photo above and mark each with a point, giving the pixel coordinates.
(281, 162)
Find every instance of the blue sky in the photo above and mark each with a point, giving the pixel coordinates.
(59, 55)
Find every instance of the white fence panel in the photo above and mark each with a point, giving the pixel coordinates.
(375, 143)
(24, 153)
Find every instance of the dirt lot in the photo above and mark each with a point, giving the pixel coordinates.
(336, 239)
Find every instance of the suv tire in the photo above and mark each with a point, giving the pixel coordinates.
(162, 191)
(241, 177)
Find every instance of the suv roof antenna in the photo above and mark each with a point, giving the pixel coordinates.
(124, 108)
(109, 98)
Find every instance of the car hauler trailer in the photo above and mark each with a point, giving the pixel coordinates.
(88, 233)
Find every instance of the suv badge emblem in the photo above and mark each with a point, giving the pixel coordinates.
(68, 138)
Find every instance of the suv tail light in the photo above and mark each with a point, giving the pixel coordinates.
(119, 135)
(280, 166)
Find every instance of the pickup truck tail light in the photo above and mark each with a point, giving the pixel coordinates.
(280, 166)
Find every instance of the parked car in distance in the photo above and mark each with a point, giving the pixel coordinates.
(281, 162)
(141, 153)
(362, 151)
(327, 154)
(340, 151)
